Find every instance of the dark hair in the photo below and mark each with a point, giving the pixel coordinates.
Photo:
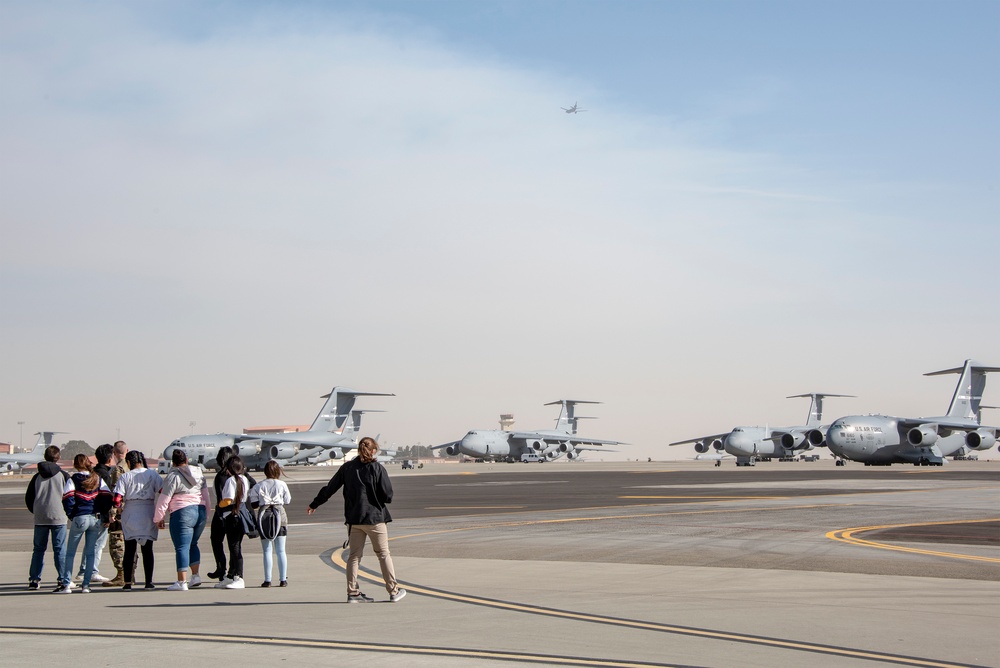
(135, 457)
(236, 469)
(52, 453)
(272, 469)
(103, 453)
(82, 463)
(223, 456)
(368, 450)
(178, 457)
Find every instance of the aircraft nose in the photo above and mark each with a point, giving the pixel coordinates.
(739, 444)
(473, 444)
(168, 451)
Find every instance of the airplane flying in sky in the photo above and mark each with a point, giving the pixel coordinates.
(500, 445)
(572, 110)
(885, 440)
(20, 460)
(332, 435)
(748, 444)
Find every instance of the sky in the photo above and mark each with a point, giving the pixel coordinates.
(213, 213)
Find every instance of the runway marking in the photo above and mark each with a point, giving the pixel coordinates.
(473, 507)
(712, 498)
(497, 655)
(847, 536)
(335, 557)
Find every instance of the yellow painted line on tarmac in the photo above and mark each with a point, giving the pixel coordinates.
(336, 557)
(848, 536)
(712, 498)
(473, 507)
(243, 639)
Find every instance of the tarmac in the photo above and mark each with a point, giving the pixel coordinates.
(577, 564)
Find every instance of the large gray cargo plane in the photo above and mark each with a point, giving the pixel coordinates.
(748, 444)
(544, 445)
(332, 435)
(883, 440)
(21, 460)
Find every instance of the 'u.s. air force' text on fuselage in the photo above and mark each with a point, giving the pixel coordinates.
(331, 436)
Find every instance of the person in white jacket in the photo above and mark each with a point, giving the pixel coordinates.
(273, 491)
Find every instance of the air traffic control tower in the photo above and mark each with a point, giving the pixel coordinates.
(506, 421)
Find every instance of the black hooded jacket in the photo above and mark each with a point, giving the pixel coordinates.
(367, 490)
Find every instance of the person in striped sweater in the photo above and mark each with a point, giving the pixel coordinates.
(87, 501)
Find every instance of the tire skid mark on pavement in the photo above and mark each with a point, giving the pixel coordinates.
(310, 643)
(848, 536)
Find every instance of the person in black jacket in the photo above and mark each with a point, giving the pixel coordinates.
(367, 491)
(217, 528)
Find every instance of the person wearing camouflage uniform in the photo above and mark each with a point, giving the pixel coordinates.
(116, 539)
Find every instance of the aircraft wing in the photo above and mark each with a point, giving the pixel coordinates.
(446, 445)
(946, 425)
(290, 437)
(572, 439)
(583, 447)
(701, 438)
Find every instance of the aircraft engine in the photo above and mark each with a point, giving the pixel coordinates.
(337, 453)
(553, 454)
(452, 450)
(283, 451)
(565, 447)
(792, 440)
(925, 434)
(572, 454)
(981, 439)
(537, 446)
(816, 438)
(718, 445)
(9, 466)
(701, 447)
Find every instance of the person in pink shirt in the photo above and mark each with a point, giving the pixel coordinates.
(185, 496)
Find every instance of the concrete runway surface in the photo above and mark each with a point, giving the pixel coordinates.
(577, 564)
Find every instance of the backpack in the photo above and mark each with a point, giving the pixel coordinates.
(269, 523)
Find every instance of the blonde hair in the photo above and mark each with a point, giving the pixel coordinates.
(367, 449)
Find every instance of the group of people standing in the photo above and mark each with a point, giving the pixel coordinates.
(123, 502)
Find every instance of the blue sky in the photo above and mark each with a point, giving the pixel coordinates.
(215, 212)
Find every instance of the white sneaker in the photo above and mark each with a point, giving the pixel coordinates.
(97, 577)
(224, 583)
(178, 586)
(195, 581)
(237, 583)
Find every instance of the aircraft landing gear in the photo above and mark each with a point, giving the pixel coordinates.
(840, 462)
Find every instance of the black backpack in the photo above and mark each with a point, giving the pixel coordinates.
(269, 523)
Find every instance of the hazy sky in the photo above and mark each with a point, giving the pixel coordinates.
(215, 212)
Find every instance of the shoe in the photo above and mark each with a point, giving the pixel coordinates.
(127, 586)
(283, 583)
(71, 585)
(63, 589)
(223, 583)
(237, 583)
(359, 598)
(217, 574)
(195, 581)
(78, 577)
(116, 581)
(150, 585)
(97, 577)
(178, 586)
(85, 590)
(33, 585)
(400, 593)
(265, 583)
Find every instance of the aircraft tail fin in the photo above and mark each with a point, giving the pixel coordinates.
(336, 414)
(965, 403)
(815, 417)
(568, 419)
(44, 441)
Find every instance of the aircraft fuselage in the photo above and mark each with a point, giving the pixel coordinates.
(880, 439)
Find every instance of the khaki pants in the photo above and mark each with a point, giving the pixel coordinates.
(379, 534)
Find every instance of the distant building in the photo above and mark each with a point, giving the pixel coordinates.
(287, 429)
(6, 449)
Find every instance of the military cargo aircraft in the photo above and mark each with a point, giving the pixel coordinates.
(509, 446)
(882, 440)
(332, 435)
(749, 444)
(21, 460)
(572, 110)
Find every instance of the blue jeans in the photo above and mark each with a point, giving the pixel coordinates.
(90, 528)
(279, 548)
(41, 544)
(186, 526)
